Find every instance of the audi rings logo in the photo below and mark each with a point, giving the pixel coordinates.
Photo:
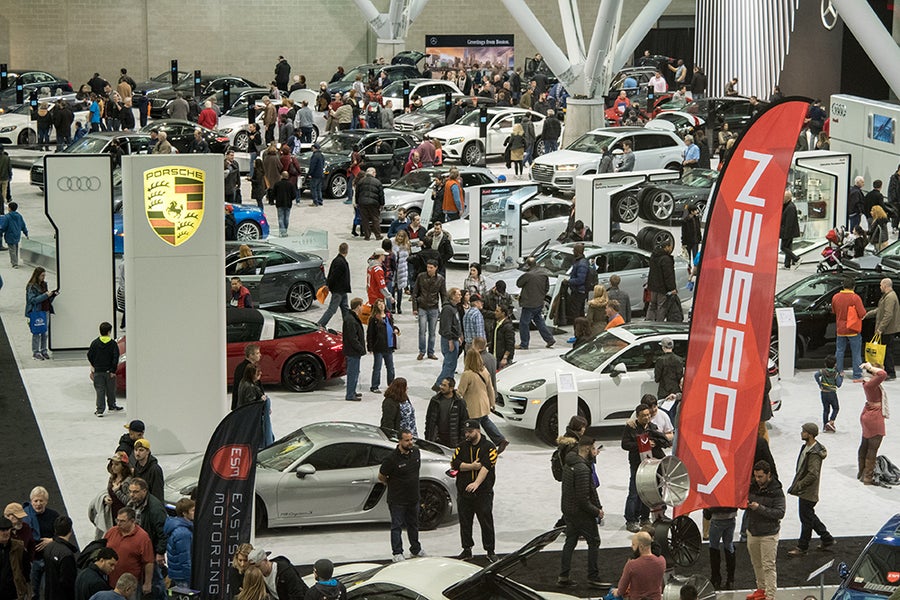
(78, 184)
(838, 109)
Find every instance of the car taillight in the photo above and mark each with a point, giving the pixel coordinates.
(322, 268)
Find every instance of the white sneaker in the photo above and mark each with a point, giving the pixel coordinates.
(421, 554)
(398, 558)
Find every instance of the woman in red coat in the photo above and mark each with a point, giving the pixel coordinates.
(872, 421)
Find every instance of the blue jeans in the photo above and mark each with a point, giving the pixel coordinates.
(428, 320)
(635, 509)
(853, 221)
(840, 344)
(491, 430)
(284, 219)
(451, 357)
(253, 156)
(529, 155)
(268, 435)
(38, 345)
(315, 188)
(43, 136)
(721, 533)
(450, 216)
(37, 578)
(337, 300)
(829, 405)
(405, 515)
(529, 316)
(551, 146)
(352, 377)
(306, 135)
(63, 140)
(388, 358)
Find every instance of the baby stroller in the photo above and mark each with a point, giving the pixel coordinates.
(839, 245)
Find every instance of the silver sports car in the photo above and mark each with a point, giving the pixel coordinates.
(328, 473)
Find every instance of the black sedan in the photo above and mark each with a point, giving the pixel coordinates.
(664, 201)
(209, 84)
(181, 134)
(734, 110)
(275, 275)
(811, 300)
(98, 143)
(385, 150)
(161, 81)
(8, 96)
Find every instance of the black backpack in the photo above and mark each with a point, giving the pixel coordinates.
(556, 465)
(591, 279)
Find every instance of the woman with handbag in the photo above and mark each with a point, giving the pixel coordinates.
(397, 410)
(38, 307)
(476, 389)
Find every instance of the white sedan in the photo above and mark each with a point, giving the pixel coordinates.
(612, 372)
(17, 128)
(542, 219)
(235, 124)
(461, 141)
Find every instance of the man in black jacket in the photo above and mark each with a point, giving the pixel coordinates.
(790, 229)
(252, 356)
(534, 286)
(338, 282)
(288, 584)
(104, 358)
(551, 132)
(475, 460)
(662, 285)
(644, 440)
(370, 199)
(354, 347)
(581, 508)
(59, 562)
(326, 586)
(147, 468)
(95, 578)
(151, 516)
(135, 432)
(856, 202)
(446, 415)
(765, 507)
(63, 117)
(450, 330)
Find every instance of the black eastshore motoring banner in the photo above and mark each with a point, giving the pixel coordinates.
(224, 512)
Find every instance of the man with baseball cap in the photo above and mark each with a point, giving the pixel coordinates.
(13, 581)
(326, 587)
(474, 460)
(21, 530)
(147, 468)
(806, 488)
(126, 443)
(282, 580)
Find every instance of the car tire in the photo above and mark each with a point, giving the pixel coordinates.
(649, 238)
(433, 505)
(623, 237)
(248, 231)
(302, 373)
(28, 137)
(657, 205)
(674, 166)
(337, 186)
(546, 428)
(260, 515)
(300, 297)
(626, 207)
(539, 148)
(472, 154)
(241, 141)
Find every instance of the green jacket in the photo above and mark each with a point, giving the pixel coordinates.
(887, 319)
(809, 469)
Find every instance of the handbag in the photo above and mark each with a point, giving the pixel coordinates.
(322, 294)
(875, 350)
(854, 323)
(37, 321)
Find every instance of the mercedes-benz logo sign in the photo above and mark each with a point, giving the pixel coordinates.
(433, 41)
(829, 14)
(78, 184)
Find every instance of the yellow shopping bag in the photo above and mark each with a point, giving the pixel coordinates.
(875, 351)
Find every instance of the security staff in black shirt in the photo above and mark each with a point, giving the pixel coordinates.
(474, 460)
(400, 471)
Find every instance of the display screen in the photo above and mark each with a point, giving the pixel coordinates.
(883, 128)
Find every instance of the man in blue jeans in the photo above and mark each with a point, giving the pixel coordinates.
(316, 175)
(430, 291)
(451, 337)
(400, 472)
(534, 286)
(354, 347)
(338, 282)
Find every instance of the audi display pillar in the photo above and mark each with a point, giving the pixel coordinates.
(175, 300)
(78, 203)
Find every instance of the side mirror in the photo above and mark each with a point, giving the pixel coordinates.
(304, 470)
(619, 369)
(843, 570)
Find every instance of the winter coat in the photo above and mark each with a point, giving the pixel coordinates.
(354, 337)
(503, 341)
(887, 315)
(450, 326)
(457, 415)
(765, 520)
(809, 469)
(667, 372)
(316, 168)
(430, 291)
(377, 339)
(60, 571)
(152, 519)
(790, 224)
(552, 129)
(401, 260)
(37, 298)
(90, 581)
(104, 355)
(596, 314)
(369, 192)
(338, 279)
(17, 558)
(630, 442)
(12, 227)
(331, 589)
(579, 497)
(153, 475)
(691, 233)
(534, 286)
(288, 583)
(661, 275)
(477, 391)
(180, 532)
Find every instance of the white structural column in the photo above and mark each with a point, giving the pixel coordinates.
(391, 27)
(636, 32)
(754, 51)
(868, 30)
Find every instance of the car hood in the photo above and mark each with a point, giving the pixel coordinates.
(339, 86)
(150, 86)
(330, 159)
(416, 118)
(401, 197)
(458, 229)
(566, 157)
(448, 132)
(529, 370)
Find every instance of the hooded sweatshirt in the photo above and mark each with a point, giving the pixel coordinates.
(330, 589)
(104, 354)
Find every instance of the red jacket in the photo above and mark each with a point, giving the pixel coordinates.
(208, 118)
(840, 302)
(375, 283)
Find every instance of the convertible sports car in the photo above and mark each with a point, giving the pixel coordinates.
(327, 473)
(295, 352)
(876, 573)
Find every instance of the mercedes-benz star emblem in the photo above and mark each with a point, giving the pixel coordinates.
(433, 41)
(78, 184)
(829, 15)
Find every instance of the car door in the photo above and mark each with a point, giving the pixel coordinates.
(239, 333)
(379, 154)
(651, 151)
(281, 270)
(251, 270)
(138, 145)
(343, 481)
(498, 132)
(620, 392)
(554, 217)
(631, 267)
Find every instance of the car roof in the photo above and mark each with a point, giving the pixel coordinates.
(344, 430)
(889, 534)
(590, 247)
(117, 134)
(617, 131)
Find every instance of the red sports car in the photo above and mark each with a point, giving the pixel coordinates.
(295, 353)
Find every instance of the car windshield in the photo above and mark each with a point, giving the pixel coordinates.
(414, 181)
(364, 71)
(285, 451)
(878, 571)
(591, 355)
(555, 261)
(166, 77)
(805, 292)
(21, 109)
(88, 145)
(338, 144)
(393, 90)
(432, 106)
(591, 142)
(675, 103)
(471, 118)
(699, 178)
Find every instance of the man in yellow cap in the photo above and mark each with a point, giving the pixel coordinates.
(147, 468)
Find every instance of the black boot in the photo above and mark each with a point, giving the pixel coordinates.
(729, 569)
(715, 576)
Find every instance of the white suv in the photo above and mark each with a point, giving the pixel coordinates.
(653, 149)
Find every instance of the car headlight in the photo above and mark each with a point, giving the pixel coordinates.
(566, 167)
(528, 386)
(8, 129)
(423, 126)
(226, 131)
(391, 208)
(454, 141)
